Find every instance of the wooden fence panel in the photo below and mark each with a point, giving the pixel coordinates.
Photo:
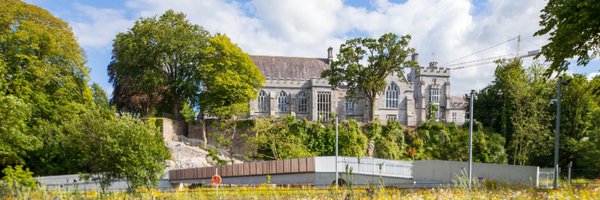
(287, 166)
(279, 166)
(228, 169)
(236, 170)
(273, 167)
(297, 165)
(266, 167)
(245, 169)
(208, 172)
(302, 165)
(259, 168)
(294, 164)
(310, 164)
(253, 168)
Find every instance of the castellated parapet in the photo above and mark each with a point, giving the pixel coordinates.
(434, 70)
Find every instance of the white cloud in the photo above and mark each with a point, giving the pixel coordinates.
(99, 26)
(442, 30)
(591, 75)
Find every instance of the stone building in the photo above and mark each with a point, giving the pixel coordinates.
(294, 87)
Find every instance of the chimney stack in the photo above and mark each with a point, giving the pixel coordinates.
(415, 57)
(433, 64)
(329, 55)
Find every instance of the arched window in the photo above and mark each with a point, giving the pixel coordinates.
(302, 102)
(263, 101)
(283, 102)
(391, 96)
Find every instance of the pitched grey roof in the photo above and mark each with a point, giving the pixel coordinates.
(457, 102)
(292, 68)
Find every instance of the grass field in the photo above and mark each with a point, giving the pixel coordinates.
(580, 191)
(361, 193)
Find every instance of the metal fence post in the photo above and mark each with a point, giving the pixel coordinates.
(336, 152)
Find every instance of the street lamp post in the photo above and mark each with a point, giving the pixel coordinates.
(471, 137)
(556, 139)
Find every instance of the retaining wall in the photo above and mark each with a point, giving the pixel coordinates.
(446, 172)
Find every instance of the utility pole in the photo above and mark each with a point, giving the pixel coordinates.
(471, 137)
(336, 152)
(518, 46)
(556, 139)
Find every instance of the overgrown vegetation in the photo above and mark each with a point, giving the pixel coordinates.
(17, 181)
(518, 105)
(290, 138)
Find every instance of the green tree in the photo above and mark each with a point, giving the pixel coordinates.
(573, 29)
(578, 108)
(278, 139)
(433, 140)
(373, 132)
(320, 138)
(391, 144)
(15, 137)
(45, 78)
(590, 153)
(516, 105)
(44, 62)
(122, 148)
(100, 98)
(156, 65)
(51, 120)
(351, 140)
(229, 80)
(188, 113)
(363, 64)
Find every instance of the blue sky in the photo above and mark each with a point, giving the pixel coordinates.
(441, 30)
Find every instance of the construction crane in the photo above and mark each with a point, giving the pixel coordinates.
(475, 63)
(489, 60)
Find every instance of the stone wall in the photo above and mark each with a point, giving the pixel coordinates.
(192, 134)
(172, 128)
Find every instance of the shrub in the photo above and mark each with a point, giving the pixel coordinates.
(17, 180)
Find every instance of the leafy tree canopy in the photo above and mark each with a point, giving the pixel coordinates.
(363, 64)
(43, 84)
(51, 121)
(574, 29)
(100, 98)
(155, 65)
(229, 78)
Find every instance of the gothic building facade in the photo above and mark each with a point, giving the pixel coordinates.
(294, 87)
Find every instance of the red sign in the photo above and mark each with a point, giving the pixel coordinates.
(216, 179)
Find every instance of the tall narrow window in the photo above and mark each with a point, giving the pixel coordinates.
(350, 106)
(453, 116)
(391, 96)
(302, 102)
(282, 100)
(263, 101)
(434, 95)
(324, 105)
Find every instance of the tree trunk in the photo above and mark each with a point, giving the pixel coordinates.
(371, 108)
(203, 122)
(176, 109)
(234, 127)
